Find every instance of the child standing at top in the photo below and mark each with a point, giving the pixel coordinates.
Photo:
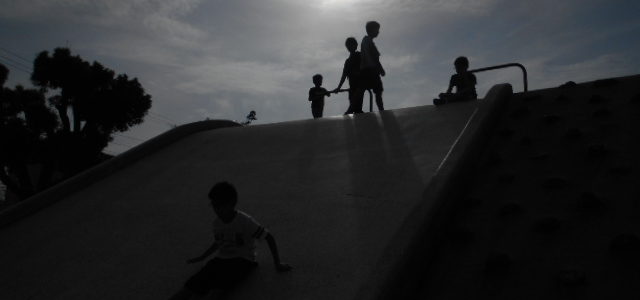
(235, 234)
(370, 66)
(316, 96)
(464, 82)
(351, 71)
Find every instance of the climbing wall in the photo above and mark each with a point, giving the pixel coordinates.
(554, 209)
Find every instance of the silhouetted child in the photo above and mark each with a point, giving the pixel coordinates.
(351, 71)
(250, 118)
(316, 96)
(464, 82)
(235, 234)
(370, 66)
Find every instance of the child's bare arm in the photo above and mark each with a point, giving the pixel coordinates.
(342, 78)
(319, 95)
(450, 88)
(281, 267)
(214, 247)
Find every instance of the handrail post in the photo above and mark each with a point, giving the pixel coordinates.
(524, 72)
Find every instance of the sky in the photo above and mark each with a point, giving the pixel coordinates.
(217, 59)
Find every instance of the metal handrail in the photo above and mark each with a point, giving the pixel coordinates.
(524, 72)
(524, 78)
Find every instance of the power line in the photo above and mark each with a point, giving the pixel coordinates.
(21, 64)
(161, 116)
(160, 121)
(9, 58)
(14, 66)
(14, 54)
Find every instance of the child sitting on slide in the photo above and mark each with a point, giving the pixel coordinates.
(464, 82)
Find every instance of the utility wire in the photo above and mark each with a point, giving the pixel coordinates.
(16, 67)
(12, 59)
(159, 121)
(14, 54)
(20, 66)
(19, 63)
(161, 116)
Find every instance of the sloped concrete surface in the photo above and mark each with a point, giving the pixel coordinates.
(553, 211)
(333, 191)
(88, 177)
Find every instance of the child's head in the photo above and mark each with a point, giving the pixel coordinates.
(352, 44)
(373, 28)
(223, 197)
(317, 79)
(462, 64)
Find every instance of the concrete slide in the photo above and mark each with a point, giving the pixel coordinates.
(334, 192)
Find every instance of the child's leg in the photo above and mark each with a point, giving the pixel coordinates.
(378, 89)
(316, 111)
(379, 101)
(443, 98)
(232, 272)
(456, 98)
(349, 109)
(201, 283)
(357, 100)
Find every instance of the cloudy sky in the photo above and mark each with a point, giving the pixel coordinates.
(221, 59)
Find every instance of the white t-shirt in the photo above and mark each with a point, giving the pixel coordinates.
(237, 238)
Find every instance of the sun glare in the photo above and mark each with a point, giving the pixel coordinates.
(333, 4)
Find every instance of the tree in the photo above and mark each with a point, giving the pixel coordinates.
(4, 74)
(26, 123)
(92, 103)
(67, 131)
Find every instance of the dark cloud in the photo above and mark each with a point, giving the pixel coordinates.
(218, 59)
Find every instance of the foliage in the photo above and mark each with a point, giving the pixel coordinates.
(65, 124)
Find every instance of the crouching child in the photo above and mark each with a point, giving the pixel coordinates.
(235, 233)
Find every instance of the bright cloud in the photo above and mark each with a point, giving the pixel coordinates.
(404, 63)
(248, 77)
